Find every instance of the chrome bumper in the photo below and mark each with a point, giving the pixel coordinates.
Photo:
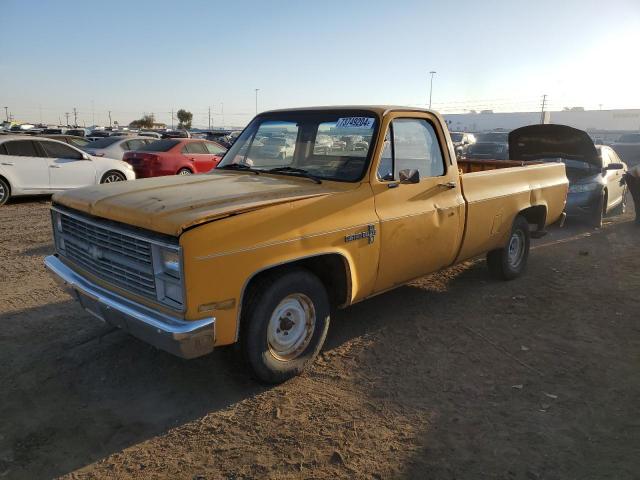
(186, 339)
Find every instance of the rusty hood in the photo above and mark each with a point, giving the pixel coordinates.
(172, 204)
(547, 141)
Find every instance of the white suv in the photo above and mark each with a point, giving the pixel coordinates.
(33, 165)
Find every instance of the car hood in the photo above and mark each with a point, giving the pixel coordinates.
(547, 141)
(172, 204)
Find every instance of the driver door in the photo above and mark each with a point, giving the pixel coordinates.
(421, 221)
(68, 167)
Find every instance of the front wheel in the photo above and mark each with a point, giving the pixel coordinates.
(5, 192)
(599, 211)
(185, 171)
(284, 324)
(113, 176)
(511, 262)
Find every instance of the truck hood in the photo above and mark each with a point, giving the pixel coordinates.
(172, 204)
(548, 141)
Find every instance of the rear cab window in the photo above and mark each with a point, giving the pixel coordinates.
(22, 148)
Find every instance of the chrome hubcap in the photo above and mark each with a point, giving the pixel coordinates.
(516, 248)
(113, 178)
(2, 192)
(184, 172)
(291, 326)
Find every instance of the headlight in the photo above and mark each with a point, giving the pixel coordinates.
(583, 187)
(56, 220)
(167, 266)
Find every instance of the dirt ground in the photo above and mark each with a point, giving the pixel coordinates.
(453, 377)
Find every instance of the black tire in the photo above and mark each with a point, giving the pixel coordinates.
(5, 191)
(113, 176)
(184, 171)
(503, 263)
(265, 299)
(598, 212)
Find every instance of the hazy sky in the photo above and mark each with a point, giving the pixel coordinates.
(135, 57)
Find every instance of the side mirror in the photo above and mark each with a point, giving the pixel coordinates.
(409, 176)
(86, 157)
(615, 166)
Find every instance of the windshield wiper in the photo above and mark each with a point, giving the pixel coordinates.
(239, 166)
(296, 171)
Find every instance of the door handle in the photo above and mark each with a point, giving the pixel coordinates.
(191, 159)
(54, 166)
(9, 164)
(448, 185)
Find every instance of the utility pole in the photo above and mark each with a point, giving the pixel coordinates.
(209, 118)
(66, 114)
(93, 113)
(75, 117)
(6, 112)
(40, 109)
(432, 73)
(171, 118)
(257, 90)
(222, 111)
(109, 118)
(544, 101)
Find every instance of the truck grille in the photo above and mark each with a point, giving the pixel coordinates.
(121, 259)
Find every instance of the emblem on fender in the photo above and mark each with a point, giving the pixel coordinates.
(369, 234)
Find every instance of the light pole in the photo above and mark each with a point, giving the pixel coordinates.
(432, 73)
(6, 112)
(257, 90)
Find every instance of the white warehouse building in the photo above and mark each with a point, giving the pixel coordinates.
(626, 120)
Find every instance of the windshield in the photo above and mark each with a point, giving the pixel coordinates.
(330, 145)
(159, 146)
(497, 137)
(103, 142)
(456, 137)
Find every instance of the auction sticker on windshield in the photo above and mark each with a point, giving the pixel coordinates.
(355, 122)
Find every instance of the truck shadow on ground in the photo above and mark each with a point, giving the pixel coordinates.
(75, 390)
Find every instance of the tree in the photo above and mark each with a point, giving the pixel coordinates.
(145, 122)
(185, 119)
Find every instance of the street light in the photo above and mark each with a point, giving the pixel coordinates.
(257, 90)
(432, 73)
(6, 112)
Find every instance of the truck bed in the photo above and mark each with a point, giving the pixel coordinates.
(495, 189)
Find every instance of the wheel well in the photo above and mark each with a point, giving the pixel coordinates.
(113, 170)
(605, 201)
(332, 270)
(185, 167)
(6, 181)
(536, 215)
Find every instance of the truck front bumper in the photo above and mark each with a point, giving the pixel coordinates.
(185, 339)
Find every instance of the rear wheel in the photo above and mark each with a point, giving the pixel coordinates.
(599, 210)
(113, 176)
(511, 261)
(5, 191)
(284, 324)
(185, 171)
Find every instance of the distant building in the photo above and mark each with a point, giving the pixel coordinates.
(159, 126)
(590, 120)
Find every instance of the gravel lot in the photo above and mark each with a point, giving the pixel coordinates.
(455, 376)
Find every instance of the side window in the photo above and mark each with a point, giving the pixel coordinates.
(134, 144)
(415, 146)
(59, 150)
(385, 169)
(21, 148)
(214, 149)
(194, 147)
(3, 149)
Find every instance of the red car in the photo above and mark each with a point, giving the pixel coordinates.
(175, 156)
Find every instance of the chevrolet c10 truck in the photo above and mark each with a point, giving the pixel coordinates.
(263, 248)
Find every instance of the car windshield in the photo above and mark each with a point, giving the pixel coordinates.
(159, 146)
(456, 137)
(332, 145)
(103, 142)
(497, 137)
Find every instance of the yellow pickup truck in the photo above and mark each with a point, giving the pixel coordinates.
(310, 210)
